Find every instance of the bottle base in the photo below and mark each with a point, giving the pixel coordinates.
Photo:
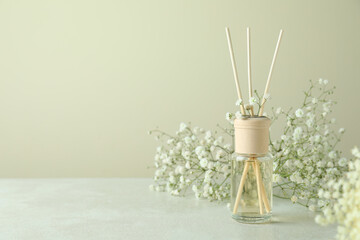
(252, 219)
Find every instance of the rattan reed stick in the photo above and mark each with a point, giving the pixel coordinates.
(264, 196)
(249, 68)
(270, 73)
(241, 186)
(257, 174)
(233, 63)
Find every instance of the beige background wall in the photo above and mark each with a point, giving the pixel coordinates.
(81, 82)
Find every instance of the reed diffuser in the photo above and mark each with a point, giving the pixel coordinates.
(251, 172)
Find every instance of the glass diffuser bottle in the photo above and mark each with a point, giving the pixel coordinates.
(251, 172)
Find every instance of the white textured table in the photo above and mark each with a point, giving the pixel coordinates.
(125, 209)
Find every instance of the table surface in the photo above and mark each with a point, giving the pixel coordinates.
(118, 208)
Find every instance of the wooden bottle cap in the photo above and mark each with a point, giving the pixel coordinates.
(252, 135)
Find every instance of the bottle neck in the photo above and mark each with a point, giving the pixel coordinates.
(247, 155)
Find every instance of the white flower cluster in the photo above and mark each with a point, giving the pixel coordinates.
(341, 201)
(308, 168)
(195, 159)
(250, 106)
(305, 157)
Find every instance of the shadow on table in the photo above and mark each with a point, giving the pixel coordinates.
(290, 218)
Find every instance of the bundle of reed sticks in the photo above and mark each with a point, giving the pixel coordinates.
(262, 197)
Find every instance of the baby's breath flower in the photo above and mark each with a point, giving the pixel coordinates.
(203, 162)
(326, 107)
(175, 192)
(355, 151)
(186, 154)
(344, 207)
(188, 140)
(276, 178)
(299, 113)
(252, 101)
(181, 158)
(342, 162)
(208, 134)
(297, 133)
(229, 117)
(267, 96)
(172, 179)
(327, 195)
(312, 208)
(238, 115)
(284, 137)
(300, 152)
(310, 122)
(294, 199)
(183, 126)
(307, 159)
(238, 102)
(332, 154)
